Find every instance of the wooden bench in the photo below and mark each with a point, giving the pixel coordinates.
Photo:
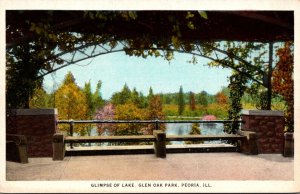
(159, 138)
(16, 148)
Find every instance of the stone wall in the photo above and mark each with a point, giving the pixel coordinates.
(269, 127)
(38, 125)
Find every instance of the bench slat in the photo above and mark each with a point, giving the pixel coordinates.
(90, 139)
(149, 138)
(203, 137)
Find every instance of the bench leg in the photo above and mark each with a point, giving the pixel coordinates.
(58, 147)
(160, 144)
(249, 144)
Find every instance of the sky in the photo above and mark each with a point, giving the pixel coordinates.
(116, 69)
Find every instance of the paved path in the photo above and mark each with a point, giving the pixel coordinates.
(189, 166)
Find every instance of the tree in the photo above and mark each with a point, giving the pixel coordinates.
(195, 130)
(93, 100)
(107, 112)
(181, 103)
(129, 111)
(122, 97)
(202, 99)
(71, 103)
(39, 99)
(221, 98)
(155, 111)
(283, 81)
(192, 101)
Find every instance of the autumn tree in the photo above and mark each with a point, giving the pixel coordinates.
(283, 81)
(192, 101)
(181, 103)
(129, 111)
(71, 103)
(155, 111)
(221, 98)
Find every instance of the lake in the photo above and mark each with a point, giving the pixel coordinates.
(185, 128)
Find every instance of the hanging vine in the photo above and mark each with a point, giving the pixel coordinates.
(237, 88)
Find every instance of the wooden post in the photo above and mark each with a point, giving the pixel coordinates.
(71, 131)
(249, 144)
(288, 150)
(58, 147)
(160, 144)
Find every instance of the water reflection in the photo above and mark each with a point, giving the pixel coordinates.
(182, 129)
(185, 129)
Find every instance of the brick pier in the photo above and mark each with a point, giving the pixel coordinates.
(269, 128)
(38, 125)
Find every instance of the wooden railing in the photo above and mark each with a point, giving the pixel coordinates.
(245, 141)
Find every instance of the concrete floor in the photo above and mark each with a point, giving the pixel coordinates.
(188, 166)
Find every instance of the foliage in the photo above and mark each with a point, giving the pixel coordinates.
(221, 98)
(192, 101)
(93, 101)
(237, 88)
(155, 111)
(122, 97)
(194, 131)
(219, 110)
(21, 75)
(107, 112)
(39, 99)
(129, 111)
(202, 99)
(181, 102)
(71, 103)
(283, 81)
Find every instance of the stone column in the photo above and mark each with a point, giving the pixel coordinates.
(37, 125)
(160, 144)
(269, 128)
(288, 144)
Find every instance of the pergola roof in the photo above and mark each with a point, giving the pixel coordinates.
(254, 26)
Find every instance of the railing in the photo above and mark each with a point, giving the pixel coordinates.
(156, 122)
(245, 141)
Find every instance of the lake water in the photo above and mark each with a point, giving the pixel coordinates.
(185, 128)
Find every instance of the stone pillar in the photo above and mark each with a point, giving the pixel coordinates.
(248, 145)
(288, 144)
(58, 147)
(269, 128)
(160, 144)
(37, 125)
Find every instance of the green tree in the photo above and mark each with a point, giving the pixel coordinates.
(39, 99)
(195, 130)
(94, 101)
(150, 94)
(122, 97)
(71, 104)
(202, 99)
(181, 103)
